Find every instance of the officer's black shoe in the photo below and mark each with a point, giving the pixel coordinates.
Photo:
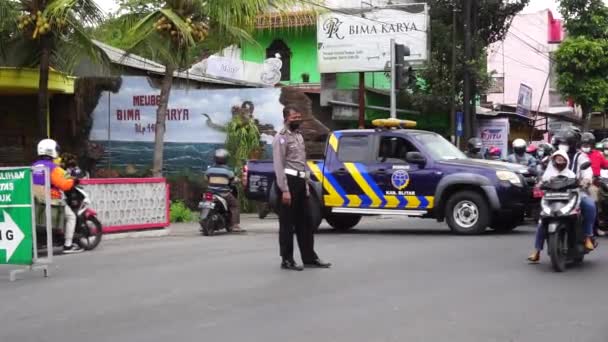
(318, 264)
(291, 265)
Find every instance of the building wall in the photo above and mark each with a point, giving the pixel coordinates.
(303, 45)
(516, 60)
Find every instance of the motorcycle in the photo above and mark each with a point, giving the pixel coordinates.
(562, 221)
(88, 233)
(215, 214)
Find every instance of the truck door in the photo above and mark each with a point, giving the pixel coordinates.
(404, 185)
(347, 182)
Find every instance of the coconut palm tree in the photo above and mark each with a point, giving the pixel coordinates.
(48, 34)
(175, 32)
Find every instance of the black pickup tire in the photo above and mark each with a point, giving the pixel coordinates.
(342, 222)
(467, 213)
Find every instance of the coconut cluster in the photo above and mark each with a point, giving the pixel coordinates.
(198, 30)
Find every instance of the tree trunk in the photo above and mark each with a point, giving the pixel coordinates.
(43, 86)
(586, 116)
(161, 115)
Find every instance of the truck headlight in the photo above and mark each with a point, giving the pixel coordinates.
(509, 176)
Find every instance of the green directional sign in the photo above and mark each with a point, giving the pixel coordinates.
(16, 244)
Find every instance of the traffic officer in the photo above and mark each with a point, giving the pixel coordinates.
(289, 162)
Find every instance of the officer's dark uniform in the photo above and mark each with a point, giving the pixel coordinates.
(289, 161)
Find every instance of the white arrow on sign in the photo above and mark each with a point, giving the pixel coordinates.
(10, 236)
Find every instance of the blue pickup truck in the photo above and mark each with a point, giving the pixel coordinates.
(404, 172)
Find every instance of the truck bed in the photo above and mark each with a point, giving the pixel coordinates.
(260, 177)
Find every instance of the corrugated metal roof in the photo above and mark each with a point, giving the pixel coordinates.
(121, 57)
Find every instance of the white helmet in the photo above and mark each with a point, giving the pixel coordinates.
(48, 147)
(518, 143)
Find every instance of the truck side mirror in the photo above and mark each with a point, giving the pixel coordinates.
(415, 158)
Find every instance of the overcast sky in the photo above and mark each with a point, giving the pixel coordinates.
(535, 5)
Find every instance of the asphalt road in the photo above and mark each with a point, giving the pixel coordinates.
(392, 280)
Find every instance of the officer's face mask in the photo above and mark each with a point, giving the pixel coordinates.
(293, 125)
(586, 149)
(563, 147)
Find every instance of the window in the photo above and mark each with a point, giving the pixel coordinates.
(394, 149)
(278, 46)
(353, 148)
(438, 147)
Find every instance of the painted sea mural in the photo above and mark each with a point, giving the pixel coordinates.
(123, 123)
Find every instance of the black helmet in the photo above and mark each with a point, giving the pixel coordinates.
(588, 139)
(221, 156)
(572, 137)
(474, 145)
(545, 150)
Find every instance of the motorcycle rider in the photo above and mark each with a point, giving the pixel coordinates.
(543, 155)
(557, 167)
(494, 153)
(519, 155)
(48, 151)
(220, 178)
(474, 146)
(598, 162)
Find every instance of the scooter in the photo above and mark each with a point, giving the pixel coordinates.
(562, 220)
(88, 232)
(215, 214)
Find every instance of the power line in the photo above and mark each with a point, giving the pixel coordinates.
(538, 52)
(524, 65)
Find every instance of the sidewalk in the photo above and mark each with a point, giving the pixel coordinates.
(250, 222)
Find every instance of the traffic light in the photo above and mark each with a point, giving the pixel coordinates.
(402, 74)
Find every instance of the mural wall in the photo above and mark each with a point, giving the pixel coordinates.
(124, 123)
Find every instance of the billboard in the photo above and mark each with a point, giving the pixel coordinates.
(354, 42)
(124, 122)
(495, 132)
(524, 100)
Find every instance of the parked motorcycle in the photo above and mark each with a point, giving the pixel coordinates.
(215, 214)
(562, 220)
(88, 232)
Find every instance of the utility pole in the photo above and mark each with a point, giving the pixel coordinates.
(467, 91)
(393, 79)
(453, 109)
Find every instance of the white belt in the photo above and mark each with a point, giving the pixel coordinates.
(296, 173)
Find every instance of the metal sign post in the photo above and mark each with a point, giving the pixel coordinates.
(17, 221)
(393, 79)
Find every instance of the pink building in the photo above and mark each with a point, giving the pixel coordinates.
(525, 56)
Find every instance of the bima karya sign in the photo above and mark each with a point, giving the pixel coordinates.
(360, 41)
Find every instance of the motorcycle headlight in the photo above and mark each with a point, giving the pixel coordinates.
(568, 207)
(509, 176)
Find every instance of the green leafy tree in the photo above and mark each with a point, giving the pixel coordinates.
(48, 34)
(494, 18)
(581, 63)
(174, 32)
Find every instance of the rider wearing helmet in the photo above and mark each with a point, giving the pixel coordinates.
(567, 147)
(48, 151)
(220, 178)
(519, 155)
(543, 155)
(494, 153)
(474, 146)
(598, 162)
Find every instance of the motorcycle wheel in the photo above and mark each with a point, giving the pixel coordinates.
(206, 227)
(91, 234)
(558, 249)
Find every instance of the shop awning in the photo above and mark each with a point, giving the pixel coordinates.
(19, 81)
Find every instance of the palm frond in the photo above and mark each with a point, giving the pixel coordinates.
(70, 51)
(86, 11)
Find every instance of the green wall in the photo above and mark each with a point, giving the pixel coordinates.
(303, 45)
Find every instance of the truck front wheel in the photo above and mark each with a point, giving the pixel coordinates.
(342, 222)
(467, 213)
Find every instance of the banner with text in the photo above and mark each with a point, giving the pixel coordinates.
(124, 122)
(495, 132)
(361, 41)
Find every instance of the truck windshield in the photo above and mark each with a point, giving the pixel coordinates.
(439, 148)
